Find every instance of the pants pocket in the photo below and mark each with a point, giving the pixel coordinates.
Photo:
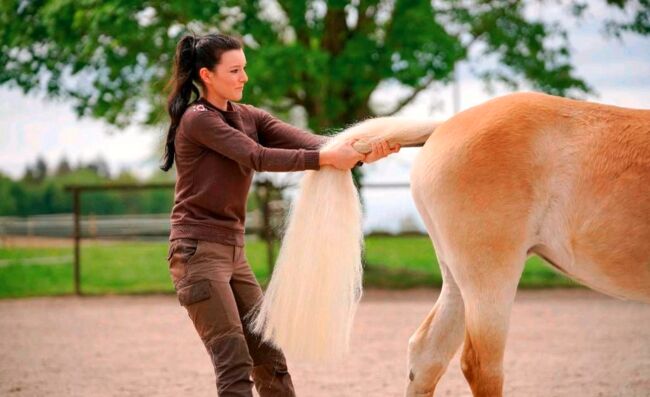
(170, 251)
(194, 293)
(185, 249)
(181, 253)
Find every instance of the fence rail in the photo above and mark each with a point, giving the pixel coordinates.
(92, 226)
(264, 222)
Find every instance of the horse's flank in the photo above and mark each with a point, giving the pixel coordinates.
(572, 177)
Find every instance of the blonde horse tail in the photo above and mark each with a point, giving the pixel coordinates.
(316, 284)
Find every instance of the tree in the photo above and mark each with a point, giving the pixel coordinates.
(112, 58)
(63, 168)
(100, 167)
(36, 174)
(8, 202)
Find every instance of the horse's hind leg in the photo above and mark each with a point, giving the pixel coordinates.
(488, 286)
(477, 296)
(437, 339)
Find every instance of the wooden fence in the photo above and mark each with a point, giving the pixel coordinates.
(265, 222)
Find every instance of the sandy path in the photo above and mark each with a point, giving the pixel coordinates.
(561, 343)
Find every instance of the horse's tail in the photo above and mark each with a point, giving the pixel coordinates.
(405, 131)
(316, 285)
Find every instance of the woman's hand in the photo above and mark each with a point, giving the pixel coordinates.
(380, 149)
(342, 155)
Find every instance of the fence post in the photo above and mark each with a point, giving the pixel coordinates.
(263, 190)
(76, 204)
(266, 223)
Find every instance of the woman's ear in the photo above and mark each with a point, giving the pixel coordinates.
(205, 75)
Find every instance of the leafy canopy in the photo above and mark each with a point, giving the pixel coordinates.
(112, 58)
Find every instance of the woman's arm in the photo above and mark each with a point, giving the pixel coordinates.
(273, 132)
(210, 130)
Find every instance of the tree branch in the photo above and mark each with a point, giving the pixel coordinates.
(364, 22)
(293, 95)
(408, 99)
(336, 30)
(299, 25)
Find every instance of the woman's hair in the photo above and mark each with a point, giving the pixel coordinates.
(192, 54)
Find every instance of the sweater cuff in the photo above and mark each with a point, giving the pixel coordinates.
(312, 159)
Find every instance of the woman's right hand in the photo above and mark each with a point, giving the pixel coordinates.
(342, 155)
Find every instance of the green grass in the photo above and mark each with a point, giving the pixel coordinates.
(21, 254)
(117, 268)
(393, 262)
(141, 267)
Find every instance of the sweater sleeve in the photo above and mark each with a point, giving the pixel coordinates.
(210, 130)
(278, 134)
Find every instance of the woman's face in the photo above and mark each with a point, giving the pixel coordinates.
(226, 81)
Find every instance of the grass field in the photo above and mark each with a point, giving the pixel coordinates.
(141, 267)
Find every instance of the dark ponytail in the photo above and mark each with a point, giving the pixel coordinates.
(192, 54)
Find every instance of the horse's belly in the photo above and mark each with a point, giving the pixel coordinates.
(622, 280)
(621, 268)
(613, 263)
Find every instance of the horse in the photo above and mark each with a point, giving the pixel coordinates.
(522, 174)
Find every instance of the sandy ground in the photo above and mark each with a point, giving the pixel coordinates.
(561, 343)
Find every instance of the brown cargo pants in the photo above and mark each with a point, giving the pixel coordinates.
(216, 285)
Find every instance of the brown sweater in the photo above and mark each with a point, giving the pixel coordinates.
(216, 154)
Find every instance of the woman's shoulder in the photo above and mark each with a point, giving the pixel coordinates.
(199, 113)
(197, 118)
(197, 110)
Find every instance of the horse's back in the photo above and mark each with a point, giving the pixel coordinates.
(567, 179)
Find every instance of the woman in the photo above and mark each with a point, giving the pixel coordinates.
(217, 145)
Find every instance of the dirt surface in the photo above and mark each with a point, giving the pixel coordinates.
(561, 343)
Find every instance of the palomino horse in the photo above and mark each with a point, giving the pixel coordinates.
(518, 175)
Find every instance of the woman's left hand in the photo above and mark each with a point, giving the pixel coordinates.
(380, 149)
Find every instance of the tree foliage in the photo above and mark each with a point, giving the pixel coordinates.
(47, 195)
(112, 58)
